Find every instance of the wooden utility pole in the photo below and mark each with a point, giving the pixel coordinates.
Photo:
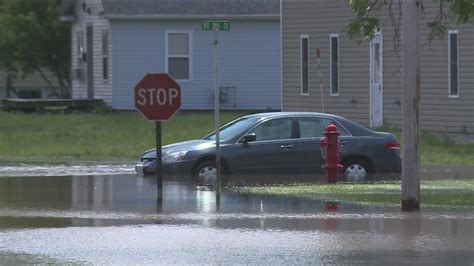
(410, 75)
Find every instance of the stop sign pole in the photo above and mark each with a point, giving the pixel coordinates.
(158, 98)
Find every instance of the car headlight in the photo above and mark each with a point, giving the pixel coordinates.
(173, 157)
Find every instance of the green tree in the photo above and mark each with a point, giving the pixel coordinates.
(33, 39)
(407, 35)
(367, 22)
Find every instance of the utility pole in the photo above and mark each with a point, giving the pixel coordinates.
(410, 81)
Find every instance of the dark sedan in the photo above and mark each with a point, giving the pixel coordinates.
(279, 143)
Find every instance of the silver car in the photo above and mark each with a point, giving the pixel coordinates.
(278, 143)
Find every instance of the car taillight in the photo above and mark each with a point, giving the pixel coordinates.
(393, 145)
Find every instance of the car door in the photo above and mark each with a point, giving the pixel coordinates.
(271, 152)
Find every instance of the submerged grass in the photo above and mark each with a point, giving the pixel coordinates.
(111, 136)
(433, 192)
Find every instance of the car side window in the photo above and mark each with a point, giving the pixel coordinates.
(313, 127)
(342, 130)
(274, 129)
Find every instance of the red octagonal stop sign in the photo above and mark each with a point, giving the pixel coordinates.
(157, 96)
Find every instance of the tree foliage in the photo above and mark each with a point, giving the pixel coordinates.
(367, 21)
(33, 39)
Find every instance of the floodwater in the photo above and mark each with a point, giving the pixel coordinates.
(114, 219)
(28, 169)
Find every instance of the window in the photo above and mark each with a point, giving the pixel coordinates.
(334, 63)
(274, 129)
(178, 57)
(80, 48)
(377, 63)
(313, 127)
(105, 55)
(453, 51)
(304, 65)
(30, 94)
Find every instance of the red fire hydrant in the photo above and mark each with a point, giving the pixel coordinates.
(330, 151)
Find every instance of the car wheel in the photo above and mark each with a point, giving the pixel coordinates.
(355, 170)
(205, 173)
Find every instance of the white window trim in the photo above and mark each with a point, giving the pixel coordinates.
(303, 36)
(332, 35)
(190, 56)
(449, 62)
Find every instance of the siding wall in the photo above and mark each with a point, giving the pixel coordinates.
(33, 81)
(102, 89)
(439, 112)
(249, 60)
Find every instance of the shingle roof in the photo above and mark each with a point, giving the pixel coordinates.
(190, 7)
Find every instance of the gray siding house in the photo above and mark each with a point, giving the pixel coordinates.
(362, 82)
(115, 43)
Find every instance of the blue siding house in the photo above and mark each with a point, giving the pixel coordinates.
(115, 43)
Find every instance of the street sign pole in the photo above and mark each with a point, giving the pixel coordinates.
(159, 163)
(216, 26)
(217, 117)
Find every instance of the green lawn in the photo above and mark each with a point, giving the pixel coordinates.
(433, 192)
(122, 136)
(436, 150)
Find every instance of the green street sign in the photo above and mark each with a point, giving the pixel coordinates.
(215, 25)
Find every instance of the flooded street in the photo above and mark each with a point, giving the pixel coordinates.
(14, 169)
(114, 219)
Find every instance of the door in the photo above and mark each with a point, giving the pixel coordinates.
(90, 63)
(376, 81)
(272, 151)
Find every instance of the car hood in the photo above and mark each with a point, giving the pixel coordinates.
(198, 144)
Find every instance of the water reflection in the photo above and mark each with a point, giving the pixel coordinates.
(58, 217)
(126, 199)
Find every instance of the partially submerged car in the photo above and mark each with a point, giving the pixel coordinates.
(279, 143)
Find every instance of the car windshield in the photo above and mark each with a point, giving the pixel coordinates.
(234, 128)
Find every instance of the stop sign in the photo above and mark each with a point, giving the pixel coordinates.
(157, 96)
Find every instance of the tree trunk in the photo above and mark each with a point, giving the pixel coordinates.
(410, 75)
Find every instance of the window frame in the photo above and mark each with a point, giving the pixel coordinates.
(189, 56)
(451, 95)
(331, 89)
(105, 55)
(302, 92)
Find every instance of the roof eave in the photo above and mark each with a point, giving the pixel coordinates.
(190, 17)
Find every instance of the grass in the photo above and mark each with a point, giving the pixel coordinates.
(437, 150)
(433, 192)
(107, 136)
(122, 136)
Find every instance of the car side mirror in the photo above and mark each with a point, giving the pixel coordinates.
(249, 138)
